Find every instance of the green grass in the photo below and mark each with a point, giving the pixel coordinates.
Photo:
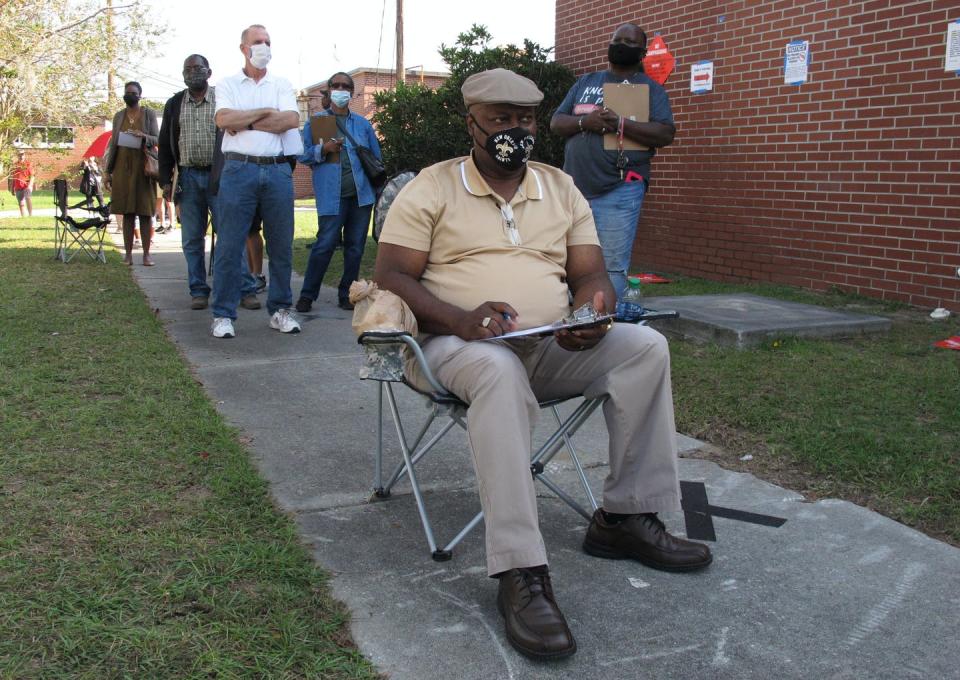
(41, 199)
(137, 538)
(875, 419)
(305, 231)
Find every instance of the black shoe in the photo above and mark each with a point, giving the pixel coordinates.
(261, 282)
(533, 622)
(304, 304)
(644, 538)
(344, 303)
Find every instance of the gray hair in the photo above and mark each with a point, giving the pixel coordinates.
(243, 36)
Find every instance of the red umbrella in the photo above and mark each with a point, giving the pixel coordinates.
(99, 146)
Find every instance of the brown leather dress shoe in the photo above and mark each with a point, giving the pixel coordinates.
(644, 538)
(534, 624)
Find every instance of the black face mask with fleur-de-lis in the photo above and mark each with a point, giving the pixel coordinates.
(511, 148)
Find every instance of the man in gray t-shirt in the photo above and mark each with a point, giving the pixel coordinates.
(613, 182)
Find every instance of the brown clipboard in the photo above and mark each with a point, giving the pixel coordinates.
(325, 127)
(633, 103)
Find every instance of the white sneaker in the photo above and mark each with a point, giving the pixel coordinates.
(283, 321)
(222, 328)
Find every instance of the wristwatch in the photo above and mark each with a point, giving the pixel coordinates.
(250, 127)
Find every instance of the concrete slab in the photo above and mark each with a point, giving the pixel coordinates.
(744, 320)
(836, 592)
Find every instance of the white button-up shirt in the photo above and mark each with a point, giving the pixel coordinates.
(240, 92)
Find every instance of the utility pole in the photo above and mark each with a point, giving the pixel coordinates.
(110, 52)
(400, 73)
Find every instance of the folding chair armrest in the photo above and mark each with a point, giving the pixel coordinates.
(386, 338)
(381, 337)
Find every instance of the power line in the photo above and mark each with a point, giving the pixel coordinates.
(383, 12)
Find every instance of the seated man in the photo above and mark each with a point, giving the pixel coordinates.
(486, 244)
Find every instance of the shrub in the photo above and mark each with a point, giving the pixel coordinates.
(420, 126)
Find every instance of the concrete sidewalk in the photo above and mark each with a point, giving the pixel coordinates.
(836, 592)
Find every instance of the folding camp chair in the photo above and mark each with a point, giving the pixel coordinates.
(71, 235)
(384, 362)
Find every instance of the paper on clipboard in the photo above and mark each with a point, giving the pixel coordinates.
(551, 328)
(325, 127)
(129, 141)
(633, 103)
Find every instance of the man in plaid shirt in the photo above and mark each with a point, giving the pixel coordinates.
(188, 142)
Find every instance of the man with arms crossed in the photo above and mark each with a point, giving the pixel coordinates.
(482, 245)
(259, 113)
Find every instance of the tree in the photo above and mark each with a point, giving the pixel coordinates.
(420, 126)
(53, 56)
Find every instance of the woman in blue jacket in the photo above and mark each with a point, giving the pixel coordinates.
(343, 193)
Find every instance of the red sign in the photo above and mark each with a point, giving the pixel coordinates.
(659, 63)
(950, 343)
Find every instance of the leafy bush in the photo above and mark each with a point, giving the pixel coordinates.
(420, 126)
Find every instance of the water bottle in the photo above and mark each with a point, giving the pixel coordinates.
(630, 306)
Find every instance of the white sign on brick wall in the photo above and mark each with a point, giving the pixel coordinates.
(796, 62)
(953, 47)
(701, 77)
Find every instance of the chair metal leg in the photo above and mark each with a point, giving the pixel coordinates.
(545, 453)
(576, 460)
(378, 460)
(421, 508)
(565, 497)
(422, 444)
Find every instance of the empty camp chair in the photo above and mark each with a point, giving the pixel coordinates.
(384, 362)
(73, 235)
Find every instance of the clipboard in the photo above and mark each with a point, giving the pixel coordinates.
(325, 127)
(550, 329)
(128, 140)
(630, 101)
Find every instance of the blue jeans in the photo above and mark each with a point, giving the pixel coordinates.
(244, 187)
(616, 214)
(355, 222)
(196, 203)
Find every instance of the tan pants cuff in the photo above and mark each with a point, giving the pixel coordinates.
(666, 503)
(515, 560)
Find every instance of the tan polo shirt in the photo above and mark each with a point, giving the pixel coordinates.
(449, 212)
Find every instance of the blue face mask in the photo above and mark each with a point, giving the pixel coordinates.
(340, 98)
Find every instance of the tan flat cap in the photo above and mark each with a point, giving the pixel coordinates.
(500, 86)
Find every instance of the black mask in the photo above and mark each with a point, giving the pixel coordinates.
(620, 54)
(131, 99)
(511, 148)
(195, 81)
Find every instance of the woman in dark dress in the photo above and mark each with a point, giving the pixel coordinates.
(133, 194)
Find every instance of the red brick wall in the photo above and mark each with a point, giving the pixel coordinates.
(52, 163)
(850, 180)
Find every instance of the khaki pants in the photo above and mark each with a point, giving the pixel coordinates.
(503, 383)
